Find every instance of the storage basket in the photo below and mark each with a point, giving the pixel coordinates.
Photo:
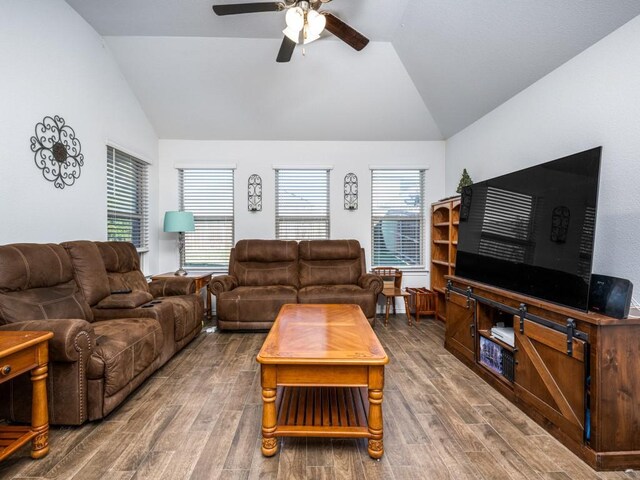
(422, 301)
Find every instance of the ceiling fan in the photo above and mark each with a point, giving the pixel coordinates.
(303, 19)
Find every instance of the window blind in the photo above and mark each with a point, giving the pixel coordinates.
(127, 199)
(586, 243)
(302, 204)
(397, 217)
(506, 226)
(208, 194)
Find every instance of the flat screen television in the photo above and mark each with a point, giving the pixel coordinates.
(532, 231)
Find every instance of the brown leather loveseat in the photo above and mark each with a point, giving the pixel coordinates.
(266, 274)
(111, 329)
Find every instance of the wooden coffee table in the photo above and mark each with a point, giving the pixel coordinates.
(322, 375)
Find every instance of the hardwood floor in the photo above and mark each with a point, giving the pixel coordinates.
(199, 418)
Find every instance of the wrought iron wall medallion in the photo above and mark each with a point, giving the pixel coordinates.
(350, 191)
(57, 151)
(255, 193)
(560, 224)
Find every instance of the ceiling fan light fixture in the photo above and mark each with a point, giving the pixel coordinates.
(295, 24)
(292, 34)
(303, 18)
(295, 18)
(316, 22)
(310, 38)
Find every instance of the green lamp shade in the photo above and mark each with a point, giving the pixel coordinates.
(179, 222)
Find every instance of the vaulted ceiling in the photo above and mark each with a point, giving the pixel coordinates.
(432, 68)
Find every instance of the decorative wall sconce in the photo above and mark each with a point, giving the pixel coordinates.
(350, 191)
(57, 151)
(255, 193)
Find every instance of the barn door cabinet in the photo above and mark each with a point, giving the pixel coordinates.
(575, 373)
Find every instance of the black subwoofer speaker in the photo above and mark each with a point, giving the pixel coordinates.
(610, 296)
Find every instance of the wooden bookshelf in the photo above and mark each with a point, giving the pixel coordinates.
(445, 216)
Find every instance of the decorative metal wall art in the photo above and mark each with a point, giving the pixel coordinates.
(255, 193)
(350, 191)
(465, 203)
(57, 151)
(560, 224)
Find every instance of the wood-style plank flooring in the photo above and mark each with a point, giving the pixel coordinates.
(199, 418)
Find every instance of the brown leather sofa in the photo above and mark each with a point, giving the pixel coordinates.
(266, 274)
(106, 342)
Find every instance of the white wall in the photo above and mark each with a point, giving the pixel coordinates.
(260, 157)
(54, 63)
(594, 99)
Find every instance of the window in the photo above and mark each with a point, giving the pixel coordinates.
(127, 199)
(397, 217)
(302, 204)
(208, 194)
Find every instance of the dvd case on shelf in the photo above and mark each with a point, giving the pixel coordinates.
(496, 358)
(491, 355)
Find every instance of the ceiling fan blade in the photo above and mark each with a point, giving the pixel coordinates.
(286, 50)
(235, 8)
(345, 33)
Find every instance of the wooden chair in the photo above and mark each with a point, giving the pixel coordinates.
(392, 278)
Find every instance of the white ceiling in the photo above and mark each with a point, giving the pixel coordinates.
(433, 66)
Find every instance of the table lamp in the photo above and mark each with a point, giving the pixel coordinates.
(179, 222)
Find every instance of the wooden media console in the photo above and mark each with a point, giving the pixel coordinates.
(575, 373)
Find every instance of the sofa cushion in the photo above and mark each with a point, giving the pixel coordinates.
(125, 300)
(329, 272)
(254, 303)
(329, 262)
(88, 269)
(340, 294)
(33, 265)
(124, 348)
(267, 273)
(266, 251)
(61, 301)
(186, 314)
(329, 249)
(265, 262)
(122, 262)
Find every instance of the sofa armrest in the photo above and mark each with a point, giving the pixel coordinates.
(127, 300)
(222, 283)
(166, 287)
(372, 282)
(69, 352)
(73, 339)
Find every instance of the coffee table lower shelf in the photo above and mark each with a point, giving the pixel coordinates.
(338, 412)
(14, 437)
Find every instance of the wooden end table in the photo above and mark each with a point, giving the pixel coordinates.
(21, 352)
(201, 279)
(322, 375)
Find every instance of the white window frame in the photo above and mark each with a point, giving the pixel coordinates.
(127, 197)
(391, 189)
(210, 197)
(302, 197)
